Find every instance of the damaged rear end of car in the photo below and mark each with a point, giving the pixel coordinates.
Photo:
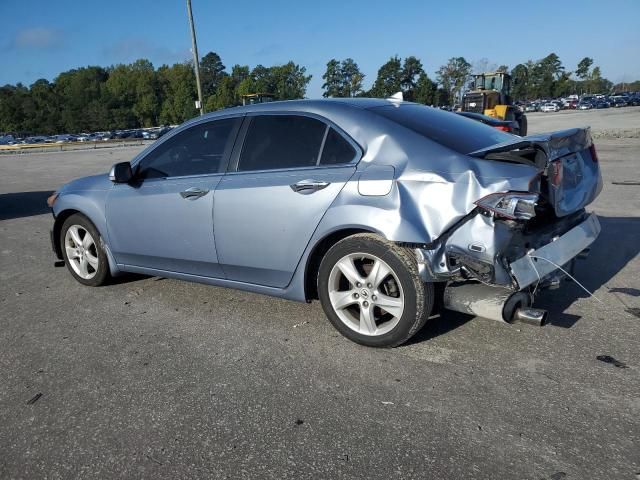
(514, 242)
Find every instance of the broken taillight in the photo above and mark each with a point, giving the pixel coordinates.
(555, 173)
(512, 205)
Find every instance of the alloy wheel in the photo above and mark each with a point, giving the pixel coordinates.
(82, 252)
(366, 294)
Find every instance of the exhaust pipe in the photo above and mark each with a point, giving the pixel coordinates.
(494, 303)
(531, 316)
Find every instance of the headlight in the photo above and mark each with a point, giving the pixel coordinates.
(51, 199)
(513, 205)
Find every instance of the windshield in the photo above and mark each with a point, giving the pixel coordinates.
(453, 131)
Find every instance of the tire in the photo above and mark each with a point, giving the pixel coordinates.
(359, 313)
(88, 264)
(524, 125)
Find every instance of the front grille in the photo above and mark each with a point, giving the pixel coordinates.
(473, 102)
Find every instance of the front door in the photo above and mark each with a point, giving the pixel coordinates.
(290, 170)
(163, 219)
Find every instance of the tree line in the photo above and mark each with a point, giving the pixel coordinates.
(138, 95)
(543, 78)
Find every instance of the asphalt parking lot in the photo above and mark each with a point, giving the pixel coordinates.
(156, 378)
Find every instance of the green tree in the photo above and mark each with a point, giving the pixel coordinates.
(454, 76)
(352, 78)
(178, 87)
(42, 114)
(425, 90)
(332, 77)
(389, 79)
(289, 80)
(342, 79)
(503, 68)
(582, 72)
(77, 89)
(225, 96)
(520, 82)
(12, 114)
(411, 72)
(212, 71)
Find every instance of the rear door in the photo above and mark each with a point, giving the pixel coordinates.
(287, 173)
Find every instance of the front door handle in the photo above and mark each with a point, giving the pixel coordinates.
(193, 193)
(305, 187)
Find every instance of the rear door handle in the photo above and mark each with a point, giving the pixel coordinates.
(305, 187)
(193, 193)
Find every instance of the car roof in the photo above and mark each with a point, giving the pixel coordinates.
(305, 104)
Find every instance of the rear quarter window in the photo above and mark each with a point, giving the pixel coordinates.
(453, 131)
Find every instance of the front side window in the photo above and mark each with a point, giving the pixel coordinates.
(198, 150)
(281, 141)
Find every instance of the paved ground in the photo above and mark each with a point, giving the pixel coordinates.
(605, 123)
(161, 379)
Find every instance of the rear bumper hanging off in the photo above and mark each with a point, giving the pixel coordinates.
(531, 268)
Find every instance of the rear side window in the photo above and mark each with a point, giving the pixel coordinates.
(198, 150)
(281, 141)
(336, 149)
(456, 132)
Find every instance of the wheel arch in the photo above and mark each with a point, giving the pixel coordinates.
(57, 228)
(61, 217)
(318, 252)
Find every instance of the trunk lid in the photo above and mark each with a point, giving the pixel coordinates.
(567, 161)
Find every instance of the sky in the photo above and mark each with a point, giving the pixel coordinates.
(40, 39)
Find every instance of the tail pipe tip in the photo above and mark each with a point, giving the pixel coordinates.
(531, 316)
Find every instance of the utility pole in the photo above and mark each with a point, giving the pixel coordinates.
(196, 61)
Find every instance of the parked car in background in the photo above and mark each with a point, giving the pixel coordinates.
(155, 133)
(364, 204)
(620, 101)
(585, 106)
(7, 139)
(550, 107)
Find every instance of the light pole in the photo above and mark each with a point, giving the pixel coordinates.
(196, 61)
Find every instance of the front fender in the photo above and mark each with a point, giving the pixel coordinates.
(90, 204)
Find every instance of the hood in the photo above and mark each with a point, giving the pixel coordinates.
(93, 182)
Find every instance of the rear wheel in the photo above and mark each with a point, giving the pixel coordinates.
(83, 252)
(371, 291)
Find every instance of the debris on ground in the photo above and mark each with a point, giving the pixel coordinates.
(34, 399)
(612, 361)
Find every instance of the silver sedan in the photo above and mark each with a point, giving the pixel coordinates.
(378, 208)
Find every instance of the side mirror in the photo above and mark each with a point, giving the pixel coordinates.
(121, 173)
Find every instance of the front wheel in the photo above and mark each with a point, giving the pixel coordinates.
(83, 252)
(371, 291)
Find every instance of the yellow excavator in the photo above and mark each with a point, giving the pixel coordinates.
(490, 95)
(253, 98)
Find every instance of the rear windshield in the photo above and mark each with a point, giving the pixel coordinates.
(456, 132)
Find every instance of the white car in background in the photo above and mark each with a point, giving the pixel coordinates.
(550, 107)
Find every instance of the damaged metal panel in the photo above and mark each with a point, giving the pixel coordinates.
(532, 267)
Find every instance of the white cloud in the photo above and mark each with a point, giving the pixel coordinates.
(37, 37)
